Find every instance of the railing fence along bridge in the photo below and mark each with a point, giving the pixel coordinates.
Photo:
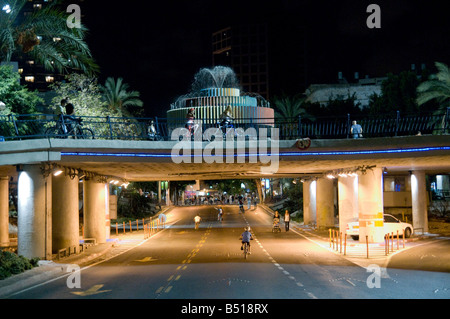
(29, 126)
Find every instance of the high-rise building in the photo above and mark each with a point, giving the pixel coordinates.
(244, 48)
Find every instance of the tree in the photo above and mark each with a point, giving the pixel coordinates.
(398, 93)
(45, 37)
(17, 98)
(84, 93)
(120, 100)
(340, 107)
(288, 108)
(233, 186)
(436, 88)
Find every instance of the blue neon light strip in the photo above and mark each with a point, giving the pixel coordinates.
(328, 153)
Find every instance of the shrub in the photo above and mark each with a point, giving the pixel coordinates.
(12, 264)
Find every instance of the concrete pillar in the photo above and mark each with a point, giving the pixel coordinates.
(370, 205)
(419, 200)
(309, 202)
(325, 202)
(95, 197)
(113, 206)
(159, 192)
(65, 215)
(260, 190)
(168, 194)
(348, 201)
(4, 211)
(34, 207)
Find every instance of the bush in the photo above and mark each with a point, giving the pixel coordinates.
(12, 264)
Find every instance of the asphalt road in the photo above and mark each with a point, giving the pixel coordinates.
(181, 262)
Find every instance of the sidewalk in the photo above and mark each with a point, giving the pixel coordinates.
(54, 269)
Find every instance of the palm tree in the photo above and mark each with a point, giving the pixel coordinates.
(120, 99)
(289, 108)
(437, 88)
(45, 37)
(287, 111)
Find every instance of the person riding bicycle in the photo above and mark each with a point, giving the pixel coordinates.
(246, 236)
(190, 116)
(226, 117)
(241, 205)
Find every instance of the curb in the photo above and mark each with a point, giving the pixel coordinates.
(45, 271)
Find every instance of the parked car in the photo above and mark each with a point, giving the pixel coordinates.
(391, 225)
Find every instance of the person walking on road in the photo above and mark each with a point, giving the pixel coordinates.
(197, 220)
(287, 219)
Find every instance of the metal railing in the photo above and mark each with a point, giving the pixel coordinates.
(29, 126)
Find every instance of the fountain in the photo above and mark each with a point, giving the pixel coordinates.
(212, 91)
(219, 77)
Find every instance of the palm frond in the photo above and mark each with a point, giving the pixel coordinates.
(436, 88)
(118, 97)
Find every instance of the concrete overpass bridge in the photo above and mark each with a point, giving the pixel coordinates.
(353, 169)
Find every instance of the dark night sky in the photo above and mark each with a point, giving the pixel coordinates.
(157, 47)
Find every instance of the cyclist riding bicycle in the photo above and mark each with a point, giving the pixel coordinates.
(241, 205)
(246, 236)
(190, 119)
(226, 117)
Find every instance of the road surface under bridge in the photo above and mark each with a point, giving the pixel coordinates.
(181, 262)
(48, 205)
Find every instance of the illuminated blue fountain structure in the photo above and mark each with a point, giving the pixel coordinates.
(212, 92)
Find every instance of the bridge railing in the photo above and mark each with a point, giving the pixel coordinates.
(28, 126)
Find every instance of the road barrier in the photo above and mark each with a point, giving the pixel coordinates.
(149, 228)
(338, 242)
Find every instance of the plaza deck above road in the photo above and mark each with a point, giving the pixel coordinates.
(163, 160)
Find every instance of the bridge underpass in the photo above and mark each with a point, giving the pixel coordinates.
(48, 204)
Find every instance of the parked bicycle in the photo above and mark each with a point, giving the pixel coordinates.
(70, 127)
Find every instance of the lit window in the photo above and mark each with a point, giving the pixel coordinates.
(49, 79)
(6, 8)
(29, 78)
(30, 62)
(56, 39)
(20, 71)
(37, 6)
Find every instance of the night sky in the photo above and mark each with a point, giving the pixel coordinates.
(157, 47)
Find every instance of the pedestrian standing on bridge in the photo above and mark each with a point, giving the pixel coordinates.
(356, 130)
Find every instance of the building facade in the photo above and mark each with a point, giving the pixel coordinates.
(245, 49)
